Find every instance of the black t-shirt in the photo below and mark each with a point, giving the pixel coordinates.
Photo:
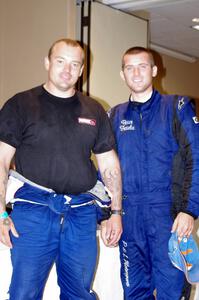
(54, 138)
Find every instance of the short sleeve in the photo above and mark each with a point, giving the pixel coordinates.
(11, 123)
(105, 140)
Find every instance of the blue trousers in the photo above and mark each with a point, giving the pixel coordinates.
(45, 237)
(145, 265)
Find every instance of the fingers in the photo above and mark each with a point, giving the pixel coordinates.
(174, 227)
(185, 230)
(114, 230)
(103, 232)
(114, 236)
(13, 230)
(6, 240)
(4, 235)
(183, 225)
(114, 239)
(5, 226)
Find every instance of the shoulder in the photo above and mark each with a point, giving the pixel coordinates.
(87, 99)
(91, 105)
(118, 109)
(178, 104)
(177, 100)
(24, 95)
(183, 108)
(182, 104)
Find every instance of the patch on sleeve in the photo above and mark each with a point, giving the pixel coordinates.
(181, 103)
(196, 120)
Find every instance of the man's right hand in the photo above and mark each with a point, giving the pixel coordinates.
(7, 225)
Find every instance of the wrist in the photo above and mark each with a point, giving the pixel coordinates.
(3, 215)
(118, 212)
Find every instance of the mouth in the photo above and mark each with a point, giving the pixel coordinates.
(137, 81)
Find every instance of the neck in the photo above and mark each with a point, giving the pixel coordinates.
(141, 97)
(57, 92)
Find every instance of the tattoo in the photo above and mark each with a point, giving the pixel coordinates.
(112, 180)
(3, 192)
(6, 222)
(2, 201)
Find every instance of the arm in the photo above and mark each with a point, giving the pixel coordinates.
(186, 168)
(109, 168)
(6, 154)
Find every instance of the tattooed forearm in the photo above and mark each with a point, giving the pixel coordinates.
(110, 171)
(112, 180)
(2, 199)
(3, 185)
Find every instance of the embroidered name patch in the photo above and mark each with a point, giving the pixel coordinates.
(90, 122)
(127, 125)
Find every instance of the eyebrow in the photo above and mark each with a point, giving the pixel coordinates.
(76, 61)
(135, 65)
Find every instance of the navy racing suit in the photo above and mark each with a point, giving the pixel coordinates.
(157, 144)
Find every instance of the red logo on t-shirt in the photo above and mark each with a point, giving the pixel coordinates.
(91, 122)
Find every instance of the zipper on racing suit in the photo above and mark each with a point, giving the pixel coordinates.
(62, 222)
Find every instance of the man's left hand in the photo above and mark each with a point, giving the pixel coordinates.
(183, 225)
(111, 230)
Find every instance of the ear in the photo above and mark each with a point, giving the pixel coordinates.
(122, 75)
(154, 71)
(81, 70)
(46, 63)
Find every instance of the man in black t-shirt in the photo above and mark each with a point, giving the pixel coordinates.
(52, 131)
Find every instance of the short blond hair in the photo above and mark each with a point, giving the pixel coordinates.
(137, 50)
(68, 42)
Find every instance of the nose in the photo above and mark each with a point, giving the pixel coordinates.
(136, 71)
(67, 67)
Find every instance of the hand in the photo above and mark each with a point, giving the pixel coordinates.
(7, 225)
(183, 225)
(111, 230)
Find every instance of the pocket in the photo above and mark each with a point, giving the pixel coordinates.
(29, 218)
(84, 220)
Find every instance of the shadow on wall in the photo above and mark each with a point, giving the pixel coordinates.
(161, 74)
(157, 82)
(197, 106)
(83, 83)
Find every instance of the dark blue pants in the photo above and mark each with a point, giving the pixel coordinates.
(45, 238)
(145, 265)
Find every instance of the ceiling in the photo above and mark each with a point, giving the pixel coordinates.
(170, 24)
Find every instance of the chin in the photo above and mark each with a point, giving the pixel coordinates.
(137, 90)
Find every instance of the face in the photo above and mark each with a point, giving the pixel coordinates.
(64, 68)
(138, 73)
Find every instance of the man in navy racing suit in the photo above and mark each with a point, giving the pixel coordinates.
(158, 145)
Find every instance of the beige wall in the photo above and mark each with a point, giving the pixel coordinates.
(177, 76)
(112, 33)
(27, 30)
